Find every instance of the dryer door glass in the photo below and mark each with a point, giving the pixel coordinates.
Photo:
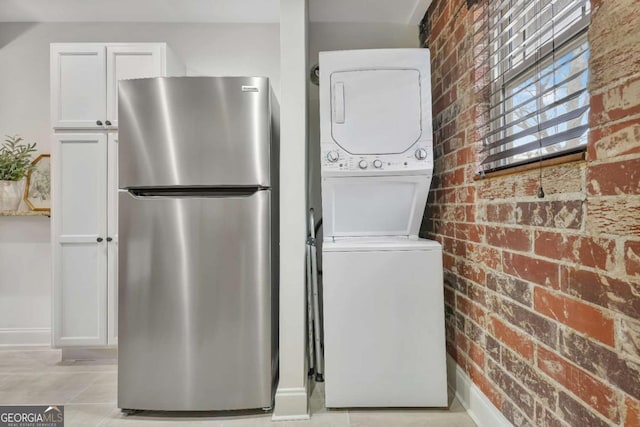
(376, 111)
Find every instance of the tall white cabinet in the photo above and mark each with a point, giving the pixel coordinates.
(84, 118)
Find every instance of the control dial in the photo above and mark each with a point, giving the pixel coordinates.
(363, 164)
(333, 156)
(421, 154)
(377, 164)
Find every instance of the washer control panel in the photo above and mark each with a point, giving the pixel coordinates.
(336, 159)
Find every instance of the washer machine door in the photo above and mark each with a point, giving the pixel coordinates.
(376, 111)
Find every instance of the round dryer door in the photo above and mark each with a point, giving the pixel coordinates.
(376, 111)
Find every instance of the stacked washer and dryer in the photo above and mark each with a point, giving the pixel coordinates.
(384, 340)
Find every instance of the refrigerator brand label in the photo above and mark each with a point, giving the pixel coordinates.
(249, 89)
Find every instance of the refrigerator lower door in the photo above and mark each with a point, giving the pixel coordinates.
(195, 302)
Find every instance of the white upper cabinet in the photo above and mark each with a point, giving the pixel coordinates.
(78, 85)
(84, 79)
(131, 61)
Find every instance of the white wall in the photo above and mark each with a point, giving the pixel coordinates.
(205, 49)
(343, 36)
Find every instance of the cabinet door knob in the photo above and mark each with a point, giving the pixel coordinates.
(99, 122)
(109, 239)
(108, 123)
(99, 239)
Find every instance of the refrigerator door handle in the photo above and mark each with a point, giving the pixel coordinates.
(173, 193)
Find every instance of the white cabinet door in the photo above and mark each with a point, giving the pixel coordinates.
(79, 239)
(112, 233)
(78, 85)
(131, 61)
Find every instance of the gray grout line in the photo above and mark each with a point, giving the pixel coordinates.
(81, 391)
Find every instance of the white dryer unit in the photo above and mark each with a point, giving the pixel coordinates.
(375, 104)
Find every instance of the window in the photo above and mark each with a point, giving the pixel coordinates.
(538, 63)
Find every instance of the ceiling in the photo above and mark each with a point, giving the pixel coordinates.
(220, 11)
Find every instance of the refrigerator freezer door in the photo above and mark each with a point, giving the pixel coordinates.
(194, 302)
(192, 131)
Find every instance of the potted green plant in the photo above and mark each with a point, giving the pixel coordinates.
(15, 162)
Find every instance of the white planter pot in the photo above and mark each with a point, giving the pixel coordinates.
(10, 195)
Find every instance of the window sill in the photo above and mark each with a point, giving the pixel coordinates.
(576, 157)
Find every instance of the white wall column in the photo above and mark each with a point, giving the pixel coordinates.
(291, 397)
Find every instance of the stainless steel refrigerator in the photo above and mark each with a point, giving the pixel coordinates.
(198, 251)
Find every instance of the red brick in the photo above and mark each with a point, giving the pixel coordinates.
(462, 342)
(470, 212)
(471, 232)
(515, 289)
(628, 337)
(577, 414)
(445, 228)
(603, 290)
(563, 214)
(466, 155)
(449, 296)
(575, 314)
(617, 103)
(476, 354)
(614, 140)
(601, 361)
(632, 258)
(632, 409)
(531, 378)
(590, 252)
(440, 23)
(503, 213)
(472, 271)
(483, 255)
(472, 310)
(512, 388)
(614, 178)
(592, 391)
(546, 418)
(515, 415)
(541, 328)
(513, 339)
(477, 294)
(495, 188)
(453, 178)
(464, 195)
(448, 261)
(535, 270)
(509, 238)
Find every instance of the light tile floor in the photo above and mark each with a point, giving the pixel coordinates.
(88, 392)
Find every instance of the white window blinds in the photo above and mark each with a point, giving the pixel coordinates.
(538, 70)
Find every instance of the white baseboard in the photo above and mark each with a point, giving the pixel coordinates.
(28, 337)
(291, 404)
(478, 406)
(90, 353)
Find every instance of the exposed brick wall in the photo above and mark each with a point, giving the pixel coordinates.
(542, 295)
